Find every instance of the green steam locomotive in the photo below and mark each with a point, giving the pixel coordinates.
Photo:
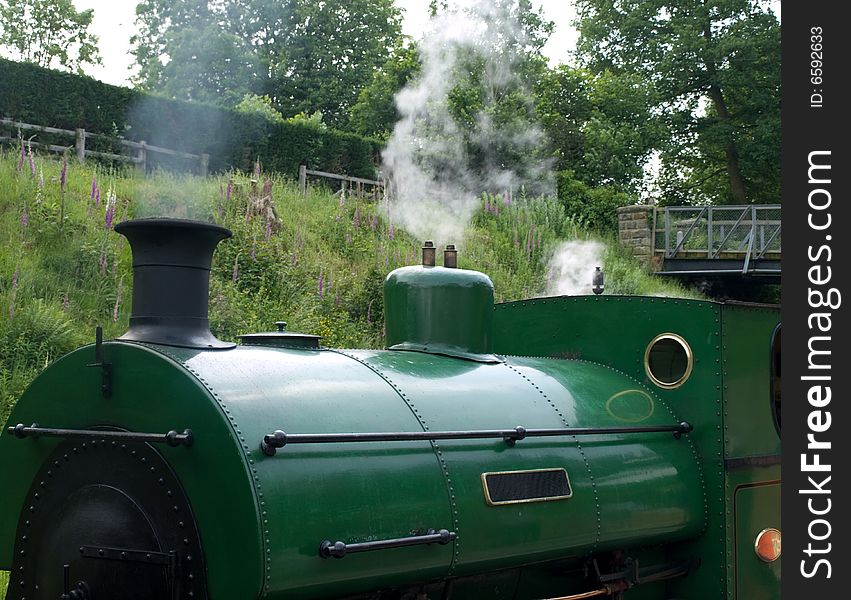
(569, 447)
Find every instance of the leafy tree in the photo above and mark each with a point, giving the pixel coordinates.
(332, 52)
(46, 32)
(305, 55)
(375, 112)
(713, 67)
(600, 126)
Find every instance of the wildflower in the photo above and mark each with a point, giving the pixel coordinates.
(23, 157)
(235, 275)
(391, 233)
(102, 262)
(356, 219)
(221, 191)
(496, 209)
(117, 302)
(110, 209)
(94, 186)
(229, 190)
(487, 205)
(63, 175)
(40, 178)
(31, 159)
(97, 196)
(294, 259)
(268, 229)
(24, 218)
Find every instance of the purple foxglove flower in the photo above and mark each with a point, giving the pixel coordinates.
(94, 187)
(110, 209)
(32, 161)
(23, 157)
(25, 220)
(97, 196)
(229, 190)
(294, 259)
(63, 175)
(102, 263)
(40, 179)
(356, 219)
(15, 278)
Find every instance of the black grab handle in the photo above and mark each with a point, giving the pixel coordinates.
(172, 438)
(329, 549)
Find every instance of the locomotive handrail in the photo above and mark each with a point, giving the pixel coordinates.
(327, 548)
(273, 441)
(172, 438)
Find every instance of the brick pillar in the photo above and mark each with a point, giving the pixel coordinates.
(635, 231)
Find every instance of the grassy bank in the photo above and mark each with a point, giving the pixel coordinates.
(320, 267)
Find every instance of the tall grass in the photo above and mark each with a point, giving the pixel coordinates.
(320, 266)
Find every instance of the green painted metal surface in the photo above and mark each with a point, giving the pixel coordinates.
(151, 394)
(757, 507)
(435, 309)
(726, 397)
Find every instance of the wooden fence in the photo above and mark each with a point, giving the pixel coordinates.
(378, 187)
(140, 157)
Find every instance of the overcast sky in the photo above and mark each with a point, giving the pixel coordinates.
(113, 24)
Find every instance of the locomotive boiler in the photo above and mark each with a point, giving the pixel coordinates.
(573, 447)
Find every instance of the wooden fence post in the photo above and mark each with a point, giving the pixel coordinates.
(302, 179)
(142, 158)
(80, 144)
(205, 164)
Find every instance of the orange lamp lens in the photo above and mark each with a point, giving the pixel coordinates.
(767, 544)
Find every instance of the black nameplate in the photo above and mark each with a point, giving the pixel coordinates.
(539, 485)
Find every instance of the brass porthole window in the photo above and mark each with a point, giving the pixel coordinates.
(668, 360)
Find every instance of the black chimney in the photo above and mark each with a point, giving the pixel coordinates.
(171, 281)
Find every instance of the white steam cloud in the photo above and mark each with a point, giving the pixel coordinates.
(438, 171)
(572, 266)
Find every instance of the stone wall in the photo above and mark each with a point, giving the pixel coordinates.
(635, 231)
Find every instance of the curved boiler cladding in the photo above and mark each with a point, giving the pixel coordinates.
(170, 464)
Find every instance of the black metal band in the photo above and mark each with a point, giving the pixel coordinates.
(278, 439)
(172, 438)
(329, 549)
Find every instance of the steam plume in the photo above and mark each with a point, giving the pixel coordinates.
(572, 267)
(438, 169)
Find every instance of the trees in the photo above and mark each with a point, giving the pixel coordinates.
(47, 32)
(306, 56)
(374, 113)
(713, 68)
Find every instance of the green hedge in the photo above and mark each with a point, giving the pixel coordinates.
(40, 96)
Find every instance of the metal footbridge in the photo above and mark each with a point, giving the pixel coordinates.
(718, 241)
